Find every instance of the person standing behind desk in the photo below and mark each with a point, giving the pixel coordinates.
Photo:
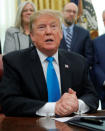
(81, 42)
(98, 70)
(17, 37)
(25, 88)
(103, 17)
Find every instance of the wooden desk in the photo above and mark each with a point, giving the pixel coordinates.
(37, 124)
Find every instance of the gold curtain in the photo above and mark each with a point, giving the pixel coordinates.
(49, 4)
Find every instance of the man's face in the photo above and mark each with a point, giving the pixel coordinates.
(104, 18)
(70, 14)
(46, 34)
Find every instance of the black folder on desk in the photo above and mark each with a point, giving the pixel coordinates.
(90, 126)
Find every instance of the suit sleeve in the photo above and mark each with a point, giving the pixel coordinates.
(13, 100)
(99, 73)
(90, 96)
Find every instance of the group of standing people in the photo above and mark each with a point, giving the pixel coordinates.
(24, 89)
(18, 37)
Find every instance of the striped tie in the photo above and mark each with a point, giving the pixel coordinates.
(68, 39)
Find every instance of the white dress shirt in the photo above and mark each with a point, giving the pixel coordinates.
(49, 108)
(64, 28)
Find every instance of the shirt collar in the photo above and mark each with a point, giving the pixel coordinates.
(65, 27)
(43, 57)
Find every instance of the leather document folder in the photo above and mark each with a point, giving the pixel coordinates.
(93, 124)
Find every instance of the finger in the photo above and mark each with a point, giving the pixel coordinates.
(63, 110)
(71, 104)
(68, 112)
(71, 91)
(59, 109)
(69, 107)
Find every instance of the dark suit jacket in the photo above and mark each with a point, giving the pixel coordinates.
(23, 90)
(81, 43)
(98, 70)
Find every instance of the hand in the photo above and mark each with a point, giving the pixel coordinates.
(67, 104)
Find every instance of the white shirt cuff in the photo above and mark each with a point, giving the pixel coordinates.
(47, 110)
(83, 108)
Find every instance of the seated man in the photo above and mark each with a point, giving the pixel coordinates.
(43, 80)
(98, 70)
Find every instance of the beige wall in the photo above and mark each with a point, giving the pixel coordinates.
(49, 4)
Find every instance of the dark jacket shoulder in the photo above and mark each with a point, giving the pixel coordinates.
(12, 30)
(18, 56)
(102, 37)
(72, 56)
(81, 29)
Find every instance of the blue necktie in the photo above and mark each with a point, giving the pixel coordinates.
(68, 39)
(52, 82)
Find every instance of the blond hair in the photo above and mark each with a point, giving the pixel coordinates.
(18, 20)
(50, 12)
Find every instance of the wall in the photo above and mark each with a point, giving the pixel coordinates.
(99, 6)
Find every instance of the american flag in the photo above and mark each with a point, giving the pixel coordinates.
(75, 1)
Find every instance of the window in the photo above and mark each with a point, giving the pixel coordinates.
(7, 16)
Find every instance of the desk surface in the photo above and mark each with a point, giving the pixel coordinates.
(37, 124)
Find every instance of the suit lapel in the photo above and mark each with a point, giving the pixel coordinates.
(65, 72)
(38, 74)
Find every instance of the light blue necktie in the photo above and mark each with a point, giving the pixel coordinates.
(68, 39)
(52, 82)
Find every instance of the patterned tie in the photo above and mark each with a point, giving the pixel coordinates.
(52, 82)
(68, 39)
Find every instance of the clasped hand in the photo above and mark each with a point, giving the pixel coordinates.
(67, 104)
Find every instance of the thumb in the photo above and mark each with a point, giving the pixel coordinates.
(71, 91)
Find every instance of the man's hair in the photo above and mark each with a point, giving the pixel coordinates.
(70, 3)
(18, 20)
(50, 12)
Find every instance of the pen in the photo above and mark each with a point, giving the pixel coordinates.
(92, 121)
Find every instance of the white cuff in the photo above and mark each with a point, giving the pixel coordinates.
(83, 108)
(47, 110)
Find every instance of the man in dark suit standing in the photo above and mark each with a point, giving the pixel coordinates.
(24, 90)
(98, 70)
(80, 39)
